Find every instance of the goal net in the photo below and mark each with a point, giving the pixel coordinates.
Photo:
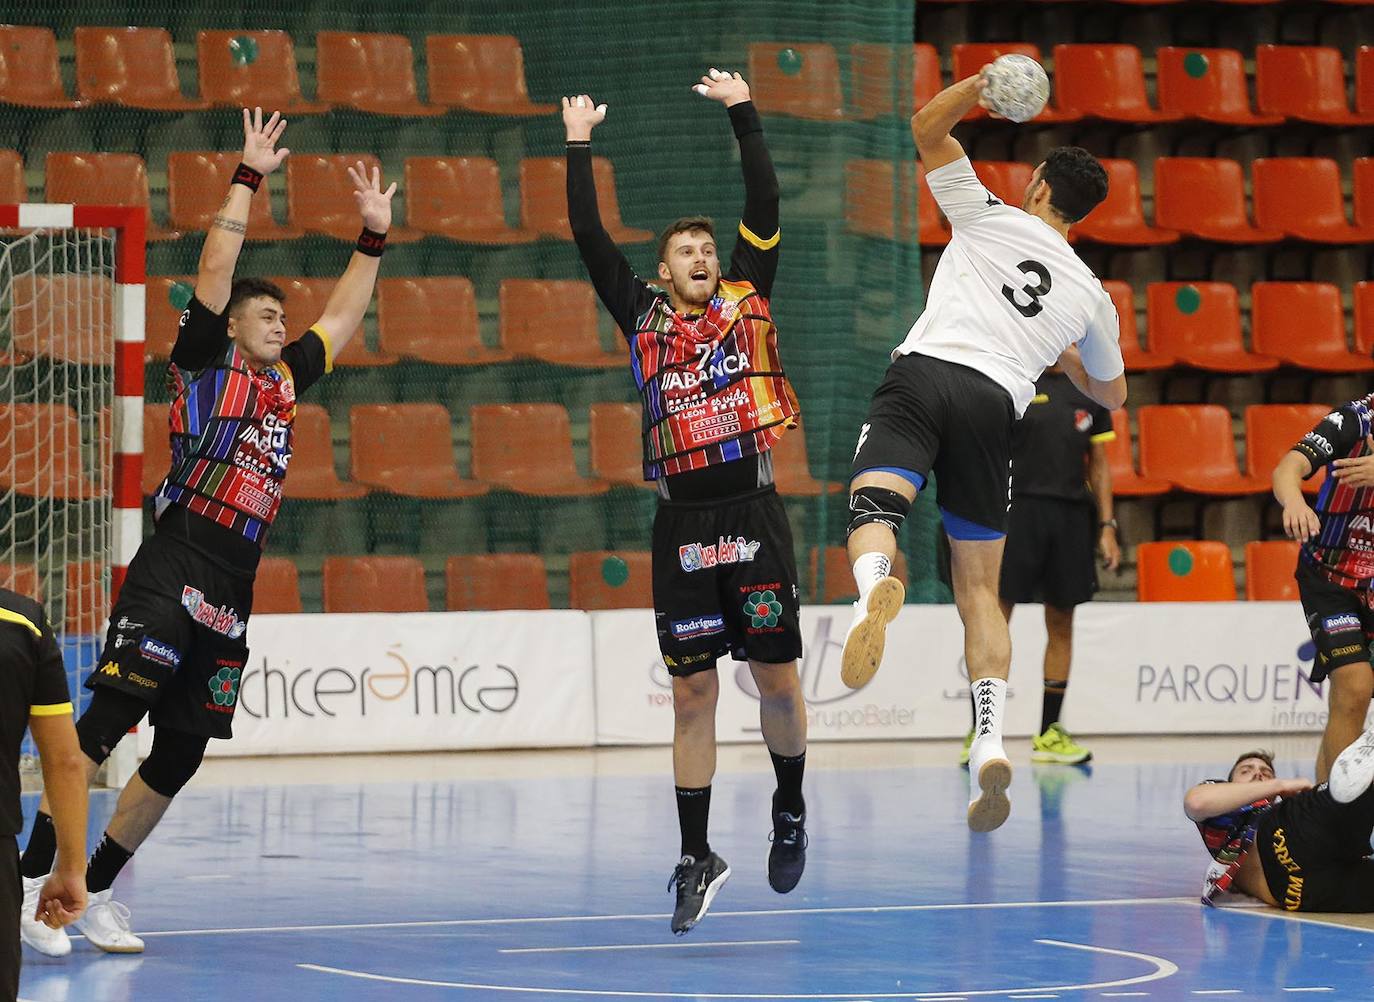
(62, 427)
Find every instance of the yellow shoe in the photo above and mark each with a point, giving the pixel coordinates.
(1056, 745)
(968, 743)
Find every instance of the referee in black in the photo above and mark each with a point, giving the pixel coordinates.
(1061, 521)
(33, 694)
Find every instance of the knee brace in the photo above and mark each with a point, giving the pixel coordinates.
(174, 759)
(877, 504)
(109, 717)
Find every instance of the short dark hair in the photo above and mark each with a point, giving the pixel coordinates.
(251, 288)
(1266, 757)
(1078, 183)
(683, 224)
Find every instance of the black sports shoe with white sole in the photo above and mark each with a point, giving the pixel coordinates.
(697, 884)
(787, 857)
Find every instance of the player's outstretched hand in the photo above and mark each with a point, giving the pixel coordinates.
(980, 84)
(1300, 522)
(62, 899)
(260, 141)
(580, 115)
(727, 88)
(1357, 472)
(374, 205)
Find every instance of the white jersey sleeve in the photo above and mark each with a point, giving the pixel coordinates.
(1100, 348)
(958, 192)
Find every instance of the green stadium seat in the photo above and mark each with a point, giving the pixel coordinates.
(374, 584)
(1185, 572)
(133, 67)
(483, 73)
(496, 581)
(459, 198)
(369, 72)
(196, 186)
(527, 448)
(605, 579)
(432, 320)
(554, 321)
(544, 199)
(103, 179)
(246, 69)
(800, 80)
(30, 74)
(407, 449)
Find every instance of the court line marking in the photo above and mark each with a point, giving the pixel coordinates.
(1309, 989)
(1274, 913)
(658, 916)
(1162, 969)
(1216, 991)
(653, 946)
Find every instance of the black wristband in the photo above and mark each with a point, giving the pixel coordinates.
(247, 176)
(371, 243)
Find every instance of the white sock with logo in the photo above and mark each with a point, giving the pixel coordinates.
(989, 700)
(869, 569)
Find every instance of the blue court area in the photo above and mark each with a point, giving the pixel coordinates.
(554, 889)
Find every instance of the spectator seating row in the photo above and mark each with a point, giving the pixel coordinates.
(1202, 571)
(457, 198)
(1298, 198)
(84, 590)
(136, 68)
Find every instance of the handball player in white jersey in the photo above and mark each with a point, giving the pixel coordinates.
(1009, 298)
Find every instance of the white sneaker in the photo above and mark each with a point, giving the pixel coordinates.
(863, 644)
(991, 770)
(49, 942)
(1353, 770)
(106, 925)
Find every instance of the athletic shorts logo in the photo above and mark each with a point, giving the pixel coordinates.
(110, 668)
(221, 619)
(725, 550)
(159, 653)
(1337, 419)
(224, 686)
(1341, 624)
(863, 437)
(763, 609)
(697, 626)
(1082, 420)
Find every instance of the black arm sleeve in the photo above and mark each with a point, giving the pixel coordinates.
(755, 258)
(201, 336)
(1333, 438)
(308, 357)
(625, 295)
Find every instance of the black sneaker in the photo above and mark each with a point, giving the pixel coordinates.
(787, 858)
(697, 885)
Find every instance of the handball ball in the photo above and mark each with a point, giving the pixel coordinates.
(1017, 87)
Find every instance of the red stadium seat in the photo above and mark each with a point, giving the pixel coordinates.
(157, 448)
(374, 584)
(1271, 430)
(369, 72)
(22, 578)
(30, 74)
(13, 189)
(1199, 324)
(544, 199)
(64, 317)
(1008, 180)
(319, 196)
(1185, 572)
(277, 587)
(87, 594)
(1104, 81)
(246, 69)
(1126, 482)
(527, 448)
(102, 179)
(1303, 324)
(484, 73)
(970, 57)
(1269, 571)
(306, 299)
(135, 67)
(1207, 84)
(1364, 81)
(796, 79)
(41, 452)
(1191, 447)
(839, 585)
(166, 298)
(872, 204)
(1305, 82)
(497, 581)
(196, 187)
(312, 476)
(872, 72)
(554, 321)
(610, 580)
(792, 470)
(1301, 196)
(1137, 358)
(1205, 198)
(1364, 317)
(1120, 218)
(432, 320)
(1363, 186)
(616, 445)
(460, 198)
(407, 449)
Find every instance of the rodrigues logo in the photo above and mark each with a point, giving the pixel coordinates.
(221, 619)
(159, 653)
(697, 626)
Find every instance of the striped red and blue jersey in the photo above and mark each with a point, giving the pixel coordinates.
(1343, 550)
(1229, 838)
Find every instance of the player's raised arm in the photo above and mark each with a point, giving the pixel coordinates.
(931, 125)
(353, 291)
(755, 257)
(220, 253)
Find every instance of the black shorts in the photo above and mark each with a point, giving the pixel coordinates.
(11, 901)
(1340, 619)
(1315, 852)
(1051, 552)
(178, 637)
(725, 582)
(933, 416)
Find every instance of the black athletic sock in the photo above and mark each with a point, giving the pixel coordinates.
(42, 848)
(789, 770)
(1053, 703)
(693, 809)
(106, 862)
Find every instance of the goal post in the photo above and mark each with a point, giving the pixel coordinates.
(72, 301)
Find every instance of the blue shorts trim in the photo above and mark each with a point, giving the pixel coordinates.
(911, 476)
(962, 528)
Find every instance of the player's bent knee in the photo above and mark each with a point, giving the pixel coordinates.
(110, 715)
(695, 694)
(877, 506)
(174, 759)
